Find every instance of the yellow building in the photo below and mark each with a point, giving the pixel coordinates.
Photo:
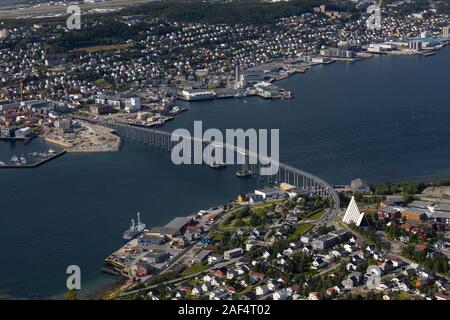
(241, 198)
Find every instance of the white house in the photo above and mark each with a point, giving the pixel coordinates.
(213, 259)
(262, 290)
(314, 296)
(348, 248)
(280, 295)
(207, 278)
(196, 291)
(318, 263)
(269, 193)
(231, 274)
(206, 286)
(271, 285)
(218, 294)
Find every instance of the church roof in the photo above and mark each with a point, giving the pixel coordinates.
(353, 214)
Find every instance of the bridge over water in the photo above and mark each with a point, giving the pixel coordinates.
(286, 173)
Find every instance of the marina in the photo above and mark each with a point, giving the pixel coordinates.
(35, 159)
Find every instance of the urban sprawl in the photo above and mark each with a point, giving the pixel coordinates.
(279, 242)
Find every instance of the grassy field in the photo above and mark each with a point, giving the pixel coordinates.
(299, 230)
(262, 208)
(217, 236)
(195, 268)
(102, 48)
(317, 215)
(101, 83)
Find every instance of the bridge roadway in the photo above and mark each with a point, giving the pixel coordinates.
(286, 173)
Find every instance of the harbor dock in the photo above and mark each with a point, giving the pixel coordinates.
(35, 164)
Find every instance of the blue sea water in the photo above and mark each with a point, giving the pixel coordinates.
(382, 119)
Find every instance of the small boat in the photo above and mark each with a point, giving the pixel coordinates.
(2, 164)
(217, 165)
(244, 173)
(176, 110)
(51, 151)
(23, 160)
(240, 94)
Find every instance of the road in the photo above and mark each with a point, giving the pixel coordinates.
(324, 220)
(182, 256)
(396, 252)
(183, 278)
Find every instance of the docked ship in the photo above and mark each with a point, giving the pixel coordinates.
(197, 95)
(176, 110)
(244, 173)
(135, 230)
(217, 165)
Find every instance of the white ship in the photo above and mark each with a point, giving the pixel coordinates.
(197, 95)
(135, 229)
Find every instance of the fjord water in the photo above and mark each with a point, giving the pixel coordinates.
(383, 119)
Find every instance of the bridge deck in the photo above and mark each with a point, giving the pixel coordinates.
(163, 139)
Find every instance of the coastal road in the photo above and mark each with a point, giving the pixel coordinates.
(183, 278)
(324, 220)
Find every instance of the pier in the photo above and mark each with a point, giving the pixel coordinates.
(34, 165)
(23, 139)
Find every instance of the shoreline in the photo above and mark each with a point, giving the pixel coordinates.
(288, 75)
(303, 68)
(122, 282)
(416, 179)
(34, 165)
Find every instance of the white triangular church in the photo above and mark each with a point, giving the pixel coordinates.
(352, 214)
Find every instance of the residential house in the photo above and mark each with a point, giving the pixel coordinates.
(314, 296)
(218, 294)
(196, 291)
(352, 280)
(261, 290)
(295, 288)
(221, 272)
(206, 286)
(319, 263)
(214, 258)
(257, 276)
(280, 295)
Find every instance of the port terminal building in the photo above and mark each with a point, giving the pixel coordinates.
(174, 228)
